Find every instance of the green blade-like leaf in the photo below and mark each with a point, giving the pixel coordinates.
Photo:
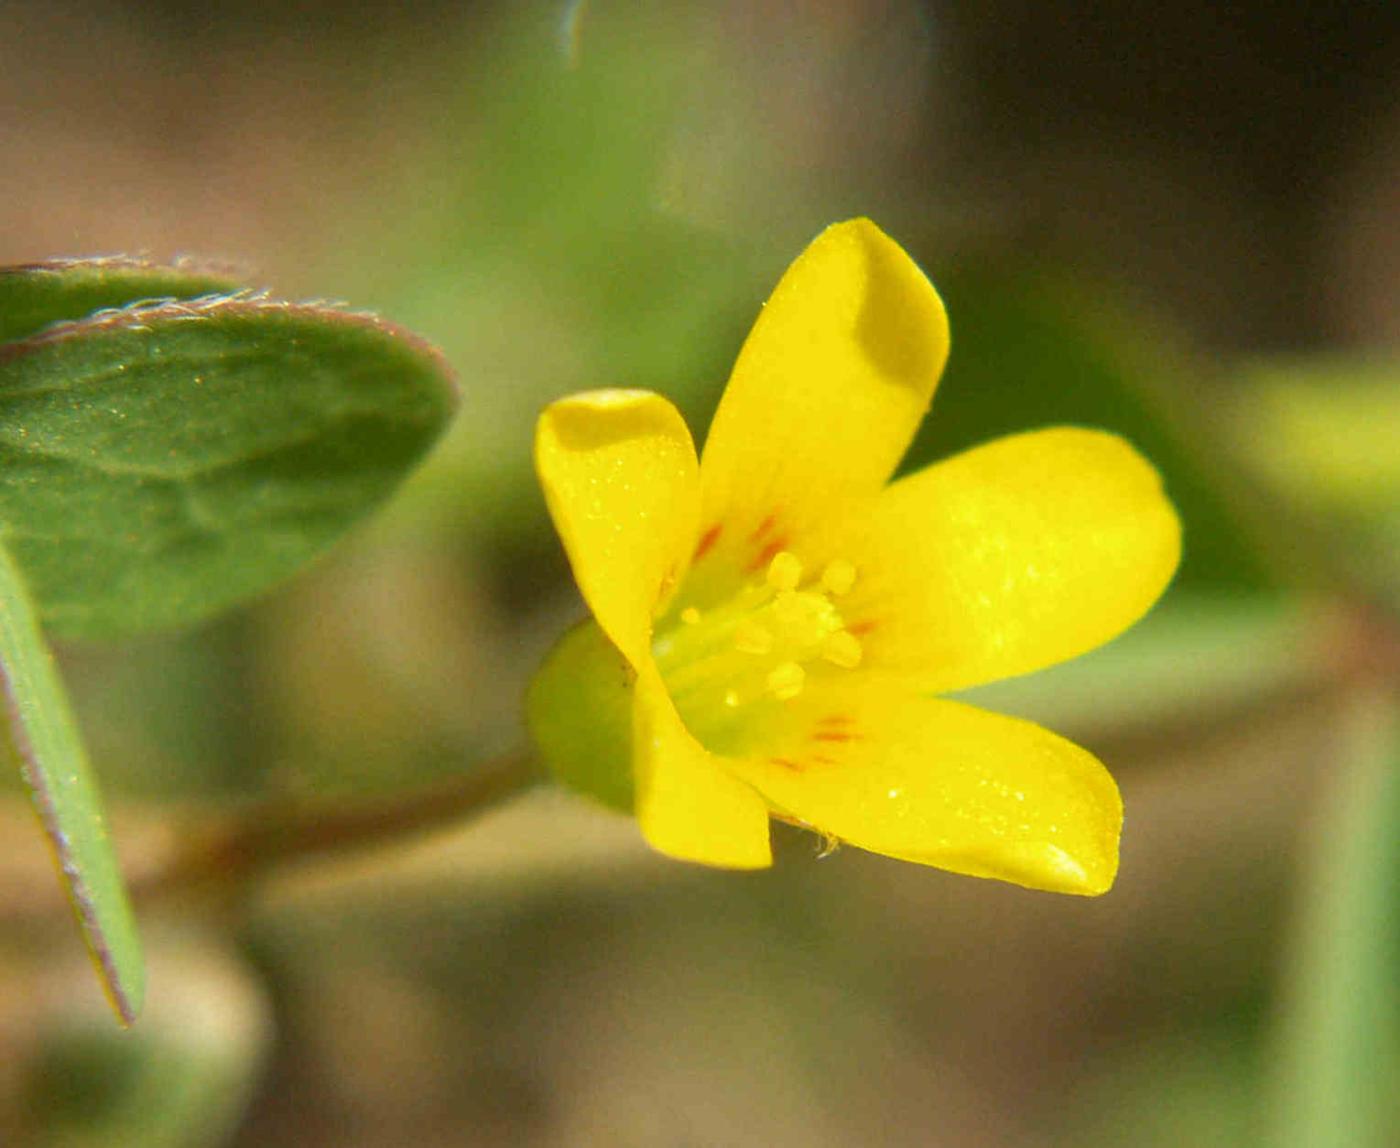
(40, 735)
(160, 463)
(1339, 1049)
(37, 294)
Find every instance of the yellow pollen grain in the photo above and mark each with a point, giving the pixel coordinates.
(786, 680)
(751, 638)
(842, 649)
(838, 577)
(731, 698)
(690, 616)
(785, 571)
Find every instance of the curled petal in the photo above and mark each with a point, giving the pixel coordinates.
(620, 477)
(827, 392)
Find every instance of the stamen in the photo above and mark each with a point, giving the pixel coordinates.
(731, 661)
(838, 577)
(790, 608)
(842, 649)
(785, 681)
(785, 571)
(752, 638)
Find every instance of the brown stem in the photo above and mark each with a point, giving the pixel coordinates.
(240, 849)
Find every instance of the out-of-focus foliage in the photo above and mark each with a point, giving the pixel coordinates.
(1323, 434)
(181, 1078)
(1127, 215)
(1340, 1030)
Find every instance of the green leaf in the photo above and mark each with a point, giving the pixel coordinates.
(160, 463)
(579, 711)
(37, 294)
(1340, 1040)
(42, 738)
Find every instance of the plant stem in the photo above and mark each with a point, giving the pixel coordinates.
(240, 849)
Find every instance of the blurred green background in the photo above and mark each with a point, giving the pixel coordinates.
(1179, 223)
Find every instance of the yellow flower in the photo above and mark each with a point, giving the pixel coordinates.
(778, 615)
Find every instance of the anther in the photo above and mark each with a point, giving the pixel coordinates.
(752, 638)
(786, 680)
(842, 649)
(785, 571)
(789, 608)
(690, 616)
(838, 577)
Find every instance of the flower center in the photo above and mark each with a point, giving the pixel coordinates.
(731, 667)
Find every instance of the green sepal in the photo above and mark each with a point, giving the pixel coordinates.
(579, 712)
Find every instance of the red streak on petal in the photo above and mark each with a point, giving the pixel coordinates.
(766, 555)
(763, 527)
(707, 542)
(787, 763)
(833, 735)
(860, 629)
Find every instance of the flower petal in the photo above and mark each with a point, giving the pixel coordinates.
(945, 784)
(688, 805)
(620, 477)
(1010, 557)
(827, 392)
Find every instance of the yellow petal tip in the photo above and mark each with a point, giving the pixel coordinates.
(594, 418)
(1062, 873)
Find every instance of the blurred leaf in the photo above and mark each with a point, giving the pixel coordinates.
(580, 715)
(1198, 1088)
(1193, 656)
(544, 261)
(37, 294)
(1031, 349)
(163, 462)
(180, 1080)
(174, 716)
(553, 113)
(1340, 1039)
(42, 739)
(1323, 432)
